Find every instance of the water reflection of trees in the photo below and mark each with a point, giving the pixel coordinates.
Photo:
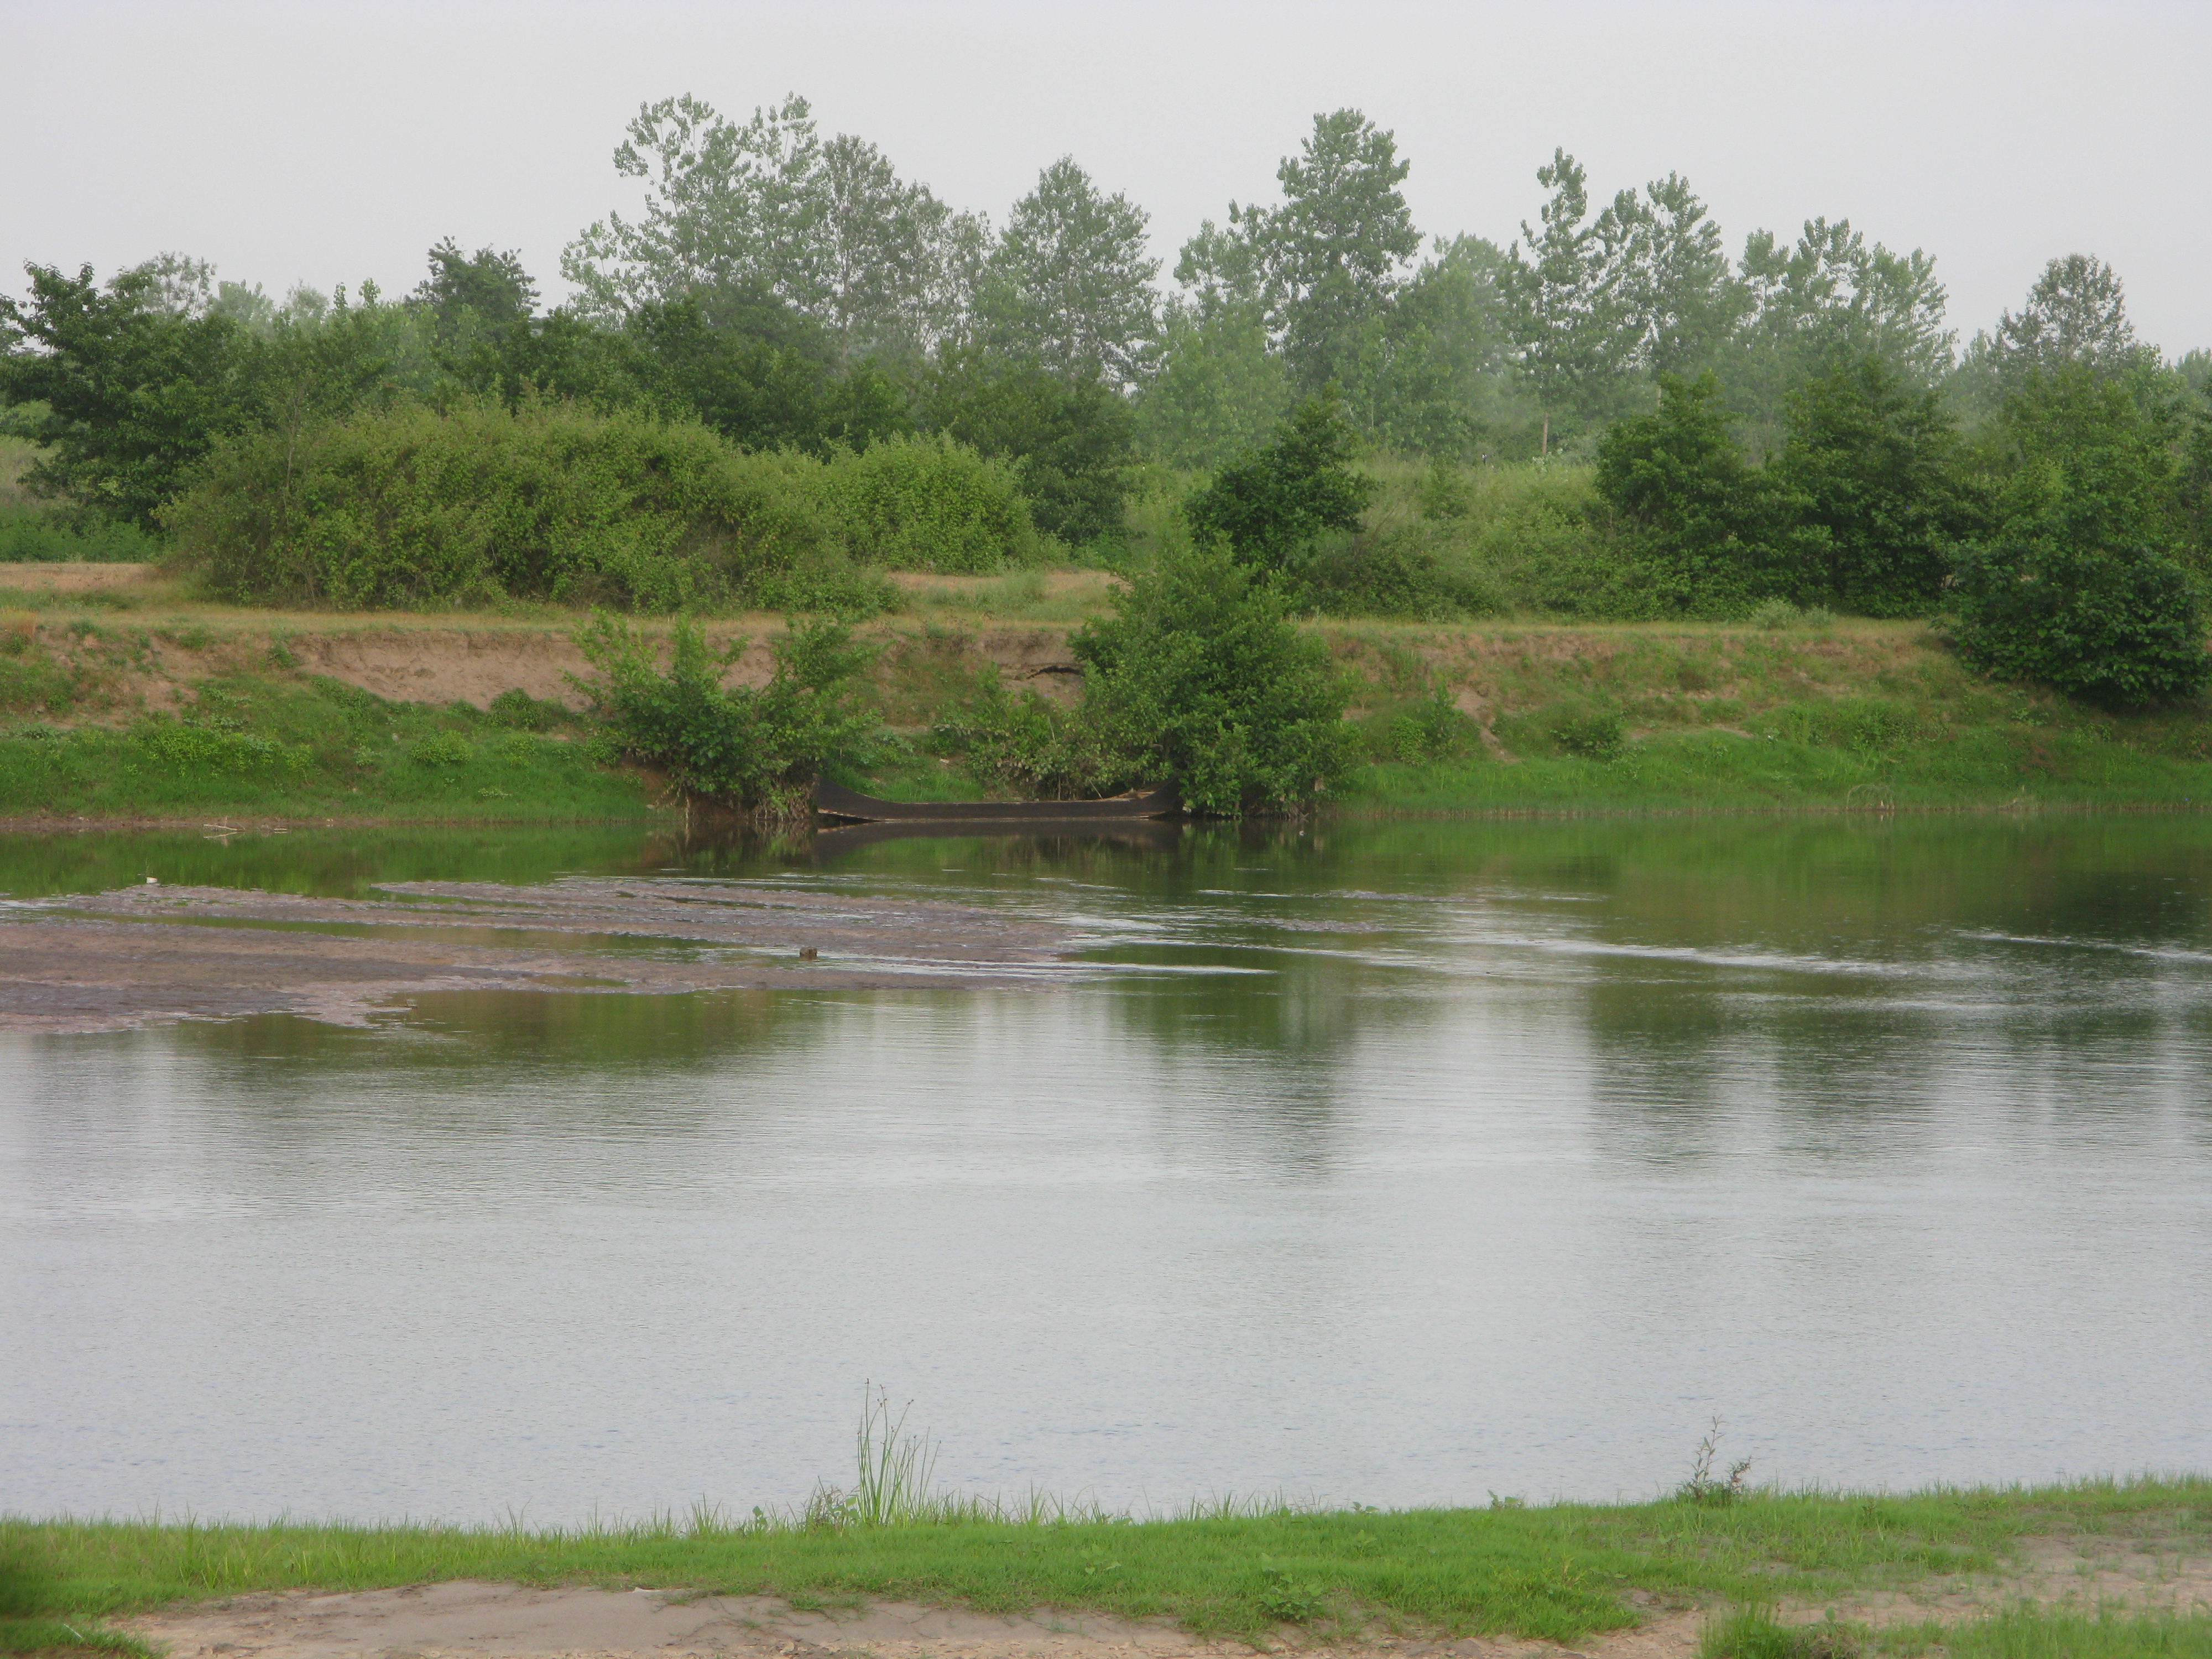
(1866, 989)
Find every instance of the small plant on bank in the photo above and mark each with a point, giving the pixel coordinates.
(1432, 729)
(1755, 1633)
(1706, 1487)
(755, 749)
(1596, 737)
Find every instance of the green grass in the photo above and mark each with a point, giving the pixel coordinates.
(275, 745)
(1558, 1573)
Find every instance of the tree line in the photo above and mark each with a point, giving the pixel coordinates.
(1796, 422)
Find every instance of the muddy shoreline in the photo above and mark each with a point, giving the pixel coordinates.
(154, 954)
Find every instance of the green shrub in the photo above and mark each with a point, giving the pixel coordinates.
(759, 749)
(931, 504)
(1596, 737)
(1432, 729)
(200, 748)
(2117, 626)
(2076, 587)
(1272, 506)
(409, 507)
(1402, 571)
(516, 710)
(1031, 746)
(1201, 677)
(1875, 465)
(441, 748)
(1070, 442)
(30, 537)
(1714, 533)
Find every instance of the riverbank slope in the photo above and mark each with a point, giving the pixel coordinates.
(122, 695)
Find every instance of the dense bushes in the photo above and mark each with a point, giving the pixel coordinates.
(1199, 678)
(2077, 587)
(756, 749)
(409, 507)
(930, 504)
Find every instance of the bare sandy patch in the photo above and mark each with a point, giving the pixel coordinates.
(154, 954)
(472, 1621)
(477, 1621)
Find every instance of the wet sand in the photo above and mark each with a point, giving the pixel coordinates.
(152, 955)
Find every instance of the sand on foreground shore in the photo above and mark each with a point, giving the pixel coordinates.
(472, 1621)
(466, 1619)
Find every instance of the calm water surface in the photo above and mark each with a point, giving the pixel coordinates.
(1395, 1163)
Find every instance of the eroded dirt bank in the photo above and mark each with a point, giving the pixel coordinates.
(151, 955)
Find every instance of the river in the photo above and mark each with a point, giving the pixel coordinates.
(1388, 1163)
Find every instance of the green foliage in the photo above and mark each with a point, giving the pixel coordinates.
(931, 504)
(1592, 736)
(1201, 677)
(1272, 506)
(1070, 284)
(127, 398)
(1070, 442)
(1714, 533)
(2075, 588)
(1876, 464)
(411, 507)
(1753, 1633)
(28, 536)
(1029, 746)
(1219, 392)
(758, 748)
(1428, 730)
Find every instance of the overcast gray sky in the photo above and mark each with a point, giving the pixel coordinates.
(327, 143)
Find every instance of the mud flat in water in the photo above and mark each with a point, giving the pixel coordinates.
(145, 955)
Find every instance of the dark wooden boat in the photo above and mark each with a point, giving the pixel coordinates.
(842, 805)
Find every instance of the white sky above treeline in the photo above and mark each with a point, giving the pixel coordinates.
(325, 143)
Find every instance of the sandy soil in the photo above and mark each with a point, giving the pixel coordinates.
(153, 954)
(504, 1621)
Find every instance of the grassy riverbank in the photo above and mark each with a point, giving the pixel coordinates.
(1560, 1572)
(124, 696)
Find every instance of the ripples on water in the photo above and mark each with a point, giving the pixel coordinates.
(1398, 1163)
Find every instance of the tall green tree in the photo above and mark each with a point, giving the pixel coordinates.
(1714, 533)
(133, 395)
(2077, 586)
(1217, 389)
(2076, 312)
(470, 296)
(1877, 466)
(1825, 300)
(1325, 262)
(1574, 331)
(767, 206)
(1436, 375)
(1070, 282)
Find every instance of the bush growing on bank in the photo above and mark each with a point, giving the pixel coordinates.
(757, 750)
(931, 504)
(411, 506)
(2076, 587)
(1198, 678)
